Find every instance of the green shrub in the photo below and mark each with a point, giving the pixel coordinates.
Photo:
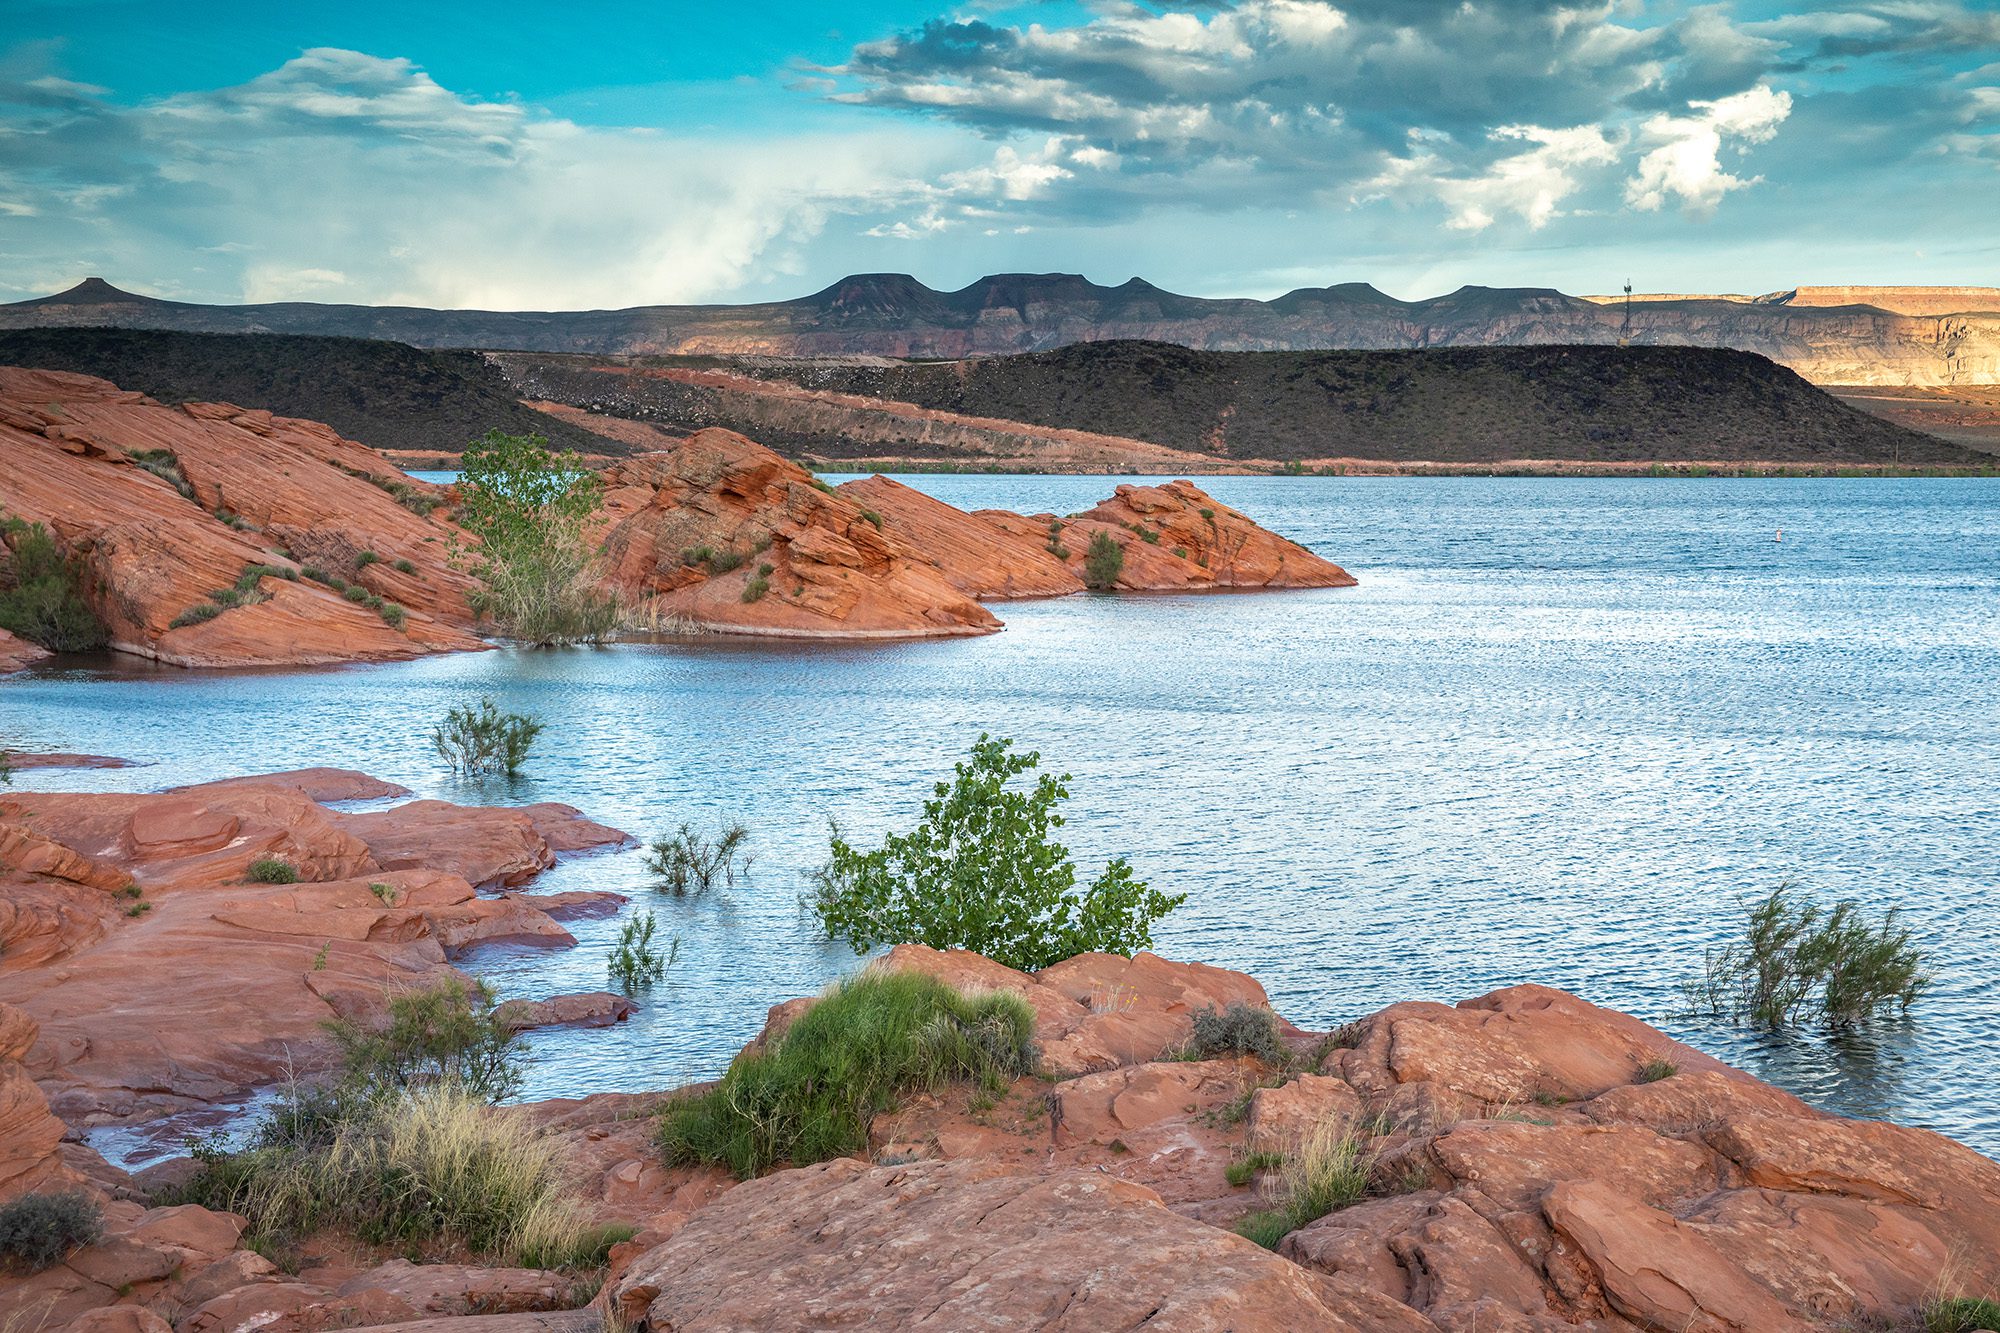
(1961, 1314)
(195, 615)
(1244, 1169)
(1796, 961)
(688, 862)
(404, 567)
(981, 872)
(271, 870)
(811, 1094)
(1103, 562)
(45, 604)
(385, 893)
(392, 615)
(365, 559)
(1330, 1170)
(722, 562)
(635, 961)
(755, 589)
(1240, 1029)
(448, 1034)
(870, 516)
(1055, 544)
(484, 740)
(1150, 536)
(38, 1231)
(1655, 1070)
(166, 465)
(530, 510)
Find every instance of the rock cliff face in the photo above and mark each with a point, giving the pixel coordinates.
(170, 509)
(892, 314)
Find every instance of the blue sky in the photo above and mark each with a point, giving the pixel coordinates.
(544, 156)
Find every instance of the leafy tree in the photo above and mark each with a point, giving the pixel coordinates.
(530, 509)
(1103, 561)
(982, 872)
(45, 605)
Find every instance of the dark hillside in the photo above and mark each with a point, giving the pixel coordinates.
(384, 394)
(1449, 405)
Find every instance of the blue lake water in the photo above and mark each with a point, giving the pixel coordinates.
(1562, 732)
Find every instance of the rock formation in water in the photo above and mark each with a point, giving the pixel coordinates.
(212, 536)
(892, 314)
(1536, 1164)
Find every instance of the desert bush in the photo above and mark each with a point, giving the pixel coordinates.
(810, 1095)
(755, 589)
(272, 870)
(1961, 1314)
(392, 615)
(404, 567)
(1239, 1029)
(530, 508)
(1103, 561)
(688, 862)
(199, 613)
(45, 603)
(1054, 544)
(164, 464)
(38, 1231)
(1796, 961)
(1655, 1070)
(871, 517)
(1330, 1170)
(447, 1034)
(475, 741)
(635, 960)
(365, 559)
(981, 871)
(434, 1167)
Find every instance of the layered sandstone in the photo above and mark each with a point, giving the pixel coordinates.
(722, 533)
(98, 467)
(116, 912)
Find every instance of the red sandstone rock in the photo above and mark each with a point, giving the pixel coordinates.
(960, 1246)
(983, 555)
(18, 654)
(67, 447)
(1223, 548)
(832, 570)
(30, 1138)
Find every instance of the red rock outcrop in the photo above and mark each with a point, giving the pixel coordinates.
(30, 1137)
(1526, 1177)
(98, 466)
(722, 533)
(114, 909)
(18, 654)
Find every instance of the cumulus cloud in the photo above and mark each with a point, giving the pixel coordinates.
(1687, 164)
(354, 177)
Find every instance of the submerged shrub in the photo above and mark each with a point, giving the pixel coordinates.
(449, 1034)
(1103, 561)
(810, 1095)
(45, 603)
(688, 862)
(271, 870)
(982, 872)
(481, 740)
(38, 1231)
(1240, 1029)
(635, 960)
(1797, 962)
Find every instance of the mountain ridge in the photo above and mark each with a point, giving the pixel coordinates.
(895, 315)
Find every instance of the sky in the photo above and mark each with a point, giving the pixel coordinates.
(542, 156)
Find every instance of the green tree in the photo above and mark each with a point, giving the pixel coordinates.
(45, 604)
(450, 1034)
(982, 872)
(530, 509)
(1103, 561)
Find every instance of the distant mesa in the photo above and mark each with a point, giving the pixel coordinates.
(1830, 335)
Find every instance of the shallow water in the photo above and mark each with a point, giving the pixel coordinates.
(1562, 732)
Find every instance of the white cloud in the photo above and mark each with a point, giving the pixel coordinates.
(1687, 164)
(343, 176)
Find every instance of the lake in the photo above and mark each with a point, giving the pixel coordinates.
(1564, 731)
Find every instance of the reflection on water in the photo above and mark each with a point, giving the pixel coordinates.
(1563, 732)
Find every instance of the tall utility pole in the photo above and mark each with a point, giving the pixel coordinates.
(1625, 329)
